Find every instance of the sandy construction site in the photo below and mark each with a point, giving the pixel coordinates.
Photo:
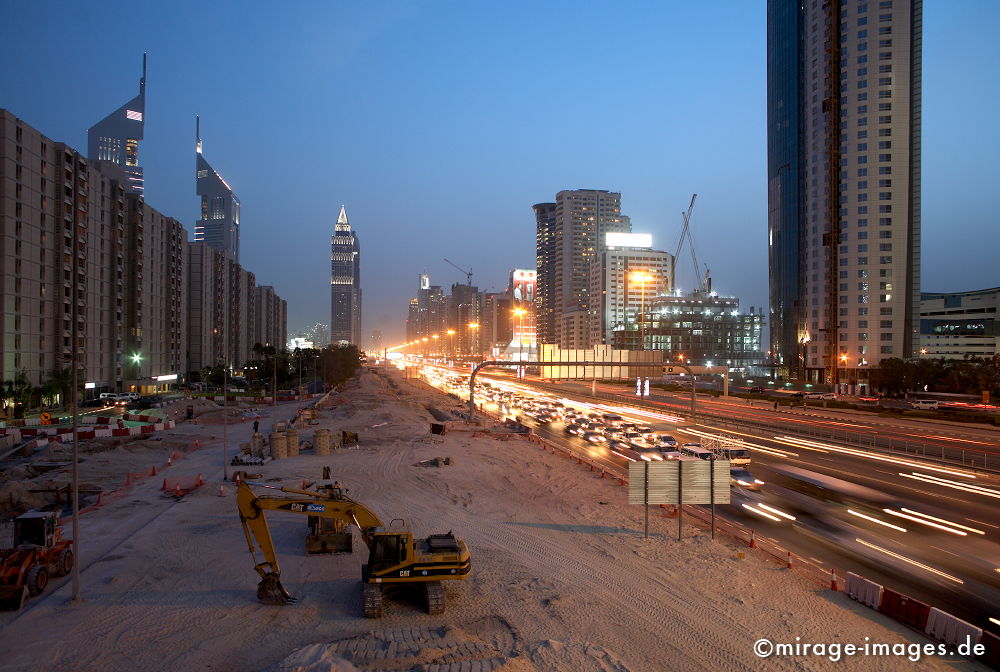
(562, 578)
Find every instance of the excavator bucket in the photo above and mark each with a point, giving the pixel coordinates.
(270, 591)
(13, 598)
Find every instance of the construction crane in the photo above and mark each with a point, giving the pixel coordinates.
(704, 281)
(468, 274)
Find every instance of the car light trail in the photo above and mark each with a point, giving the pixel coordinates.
(912, 562)
(803, 443)
(923, 477)
(995, 621)
(754, 446)
(876, 520)
(941, 520)
(761, 513)
(775, 511)
(925, 522)
(967, 487)
(615, 452)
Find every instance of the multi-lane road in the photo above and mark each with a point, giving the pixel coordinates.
(923, 527)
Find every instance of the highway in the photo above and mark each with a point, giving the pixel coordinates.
(923, 528)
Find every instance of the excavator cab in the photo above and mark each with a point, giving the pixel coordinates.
(388, 550)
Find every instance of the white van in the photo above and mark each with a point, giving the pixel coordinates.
(109, 397)
(924, 404)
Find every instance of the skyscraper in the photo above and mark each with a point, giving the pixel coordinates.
(844, 100)
(345, 283)
(116, 137)
(569, 233)
(219, 225)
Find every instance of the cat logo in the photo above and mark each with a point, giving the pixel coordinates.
(404, 572)
(297, 507)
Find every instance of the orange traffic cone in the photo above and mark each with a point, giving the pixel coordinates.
(177, 491)
(222, 491)
(833, 581)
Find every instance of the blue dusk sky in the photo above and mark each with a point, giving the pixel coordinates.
(439, 125)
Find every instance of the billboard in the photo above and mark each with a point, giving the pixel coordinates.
(612, 239)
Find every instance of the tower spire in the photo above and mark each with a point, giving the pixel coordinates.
(142, 81)
(342, 223)
(197, 133)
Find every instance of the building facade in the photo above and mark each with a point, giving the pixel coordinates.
(345, 283)
(960, 324)
(219, 224)
(465, 314)
(625, 278)
(699, 329)
(270, 328)
(569, 234)
(116, 137)
(844, 101)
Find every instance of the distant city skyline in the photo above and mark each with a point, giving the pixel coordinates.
(438, 165)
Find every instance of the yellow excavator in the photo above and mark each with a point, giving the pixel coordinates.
(395, 558)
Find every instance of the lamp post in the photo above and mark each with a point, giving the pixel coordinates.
(436, 351)
(451, 343)
(473, 340)
(424, 340)
(642, 278)
(836, 371)
(804, 344)
(520, 337)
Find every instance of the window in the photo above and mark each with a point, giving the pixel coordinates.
(885, 144)
(885, 195)
(885, 68)
(862, 324)
(885, 285)
(885, 170)
(885, 311)
(885, 56)
(885, 94)
(862, 146)
(862, 235)
(843, 286)
(884, 157)
(884, 132)
(885, 234)
(886, 349)
(885, 44)
(863, 21)
(885, 183)
(885, 119)
(862, 209)
(862, 311)
(885, 324)
(862, 172)
(885, 247)
(862, 198)
(863, 247)
(885, 209)
(862, 287)
(863, 58)
(862, 159)
(885, 260)
(862, 222)
(885, 81)
(862, 274)
(863, 72)
(862, 261)
(862, 298)
(862, 184)
(862, 121)
(885, 30)
(885, 107)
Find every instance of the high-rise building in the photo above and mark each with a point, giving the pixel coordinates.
(465, 313)
(955, 325)
(497, 323)
(625, 279)
(568, 237)
(219, 225)
(545, 267)
(844, 106)
(345, 283)
(116, 137)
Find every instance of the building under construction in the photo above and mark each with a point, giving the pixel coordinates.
(700, 328)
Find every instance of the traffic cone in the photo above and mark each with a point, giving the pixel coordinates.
(833, 580)
(222, 491)
(153, 472)
(177, 491)
(753, 539)
(170, 460)
(789, 565)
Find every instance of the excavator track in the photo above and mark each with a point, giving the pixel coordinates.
(371, 596)
(435, 597)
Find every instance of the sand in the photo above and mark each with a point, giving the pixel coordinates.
(562, 577)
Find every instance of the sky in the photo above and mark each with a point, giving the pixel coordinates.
(439, 124)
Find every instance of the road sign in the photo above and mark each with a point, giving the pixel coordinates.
(664, 485)
(45, 418)
(986, 397)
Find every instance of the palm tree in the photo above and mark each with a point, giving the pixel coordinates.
(60, 381)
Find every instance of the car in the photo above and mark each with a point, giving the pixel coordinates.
(924, 404)
(743, 478)
(821, 395)
(572, 428)
(670, 454)
(756, 390)
(594, 437)
(666, 440)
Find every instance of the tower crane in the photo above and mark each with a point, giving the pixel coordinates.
(468, 274)
(704, 281)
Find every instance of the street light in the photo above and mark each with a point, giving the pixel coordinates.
(520, 312)
(451, 342)
(435, 337)
(473, 340)
(642, 278)
(804, 344)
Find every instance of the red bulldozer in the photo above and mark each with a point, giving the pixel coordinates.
(38, 550)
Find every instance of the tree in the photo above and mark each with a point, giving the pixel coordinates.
(60, 382)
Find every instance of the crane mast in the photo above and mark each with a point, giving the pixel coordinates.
(468, 274)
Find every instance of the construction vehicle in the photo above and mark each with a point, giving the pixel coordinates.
(395, 558)
(38, 550)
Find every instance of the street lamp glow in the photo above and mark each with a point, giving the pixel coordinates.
(136, 358)
(473, 325)
(451, 332)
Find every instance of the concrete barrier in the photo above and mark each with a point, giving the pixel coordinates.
(904, 609)
(952, 631)
(321, 442)
(278, 451)
(292, 443)
(864, 591)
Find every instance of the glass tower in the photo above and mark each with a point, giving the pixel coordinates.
(219, 225)
(116, 137)
(345, 283)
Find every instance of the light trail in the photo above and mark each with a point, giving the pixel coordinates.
(925, 522)
(775, 511)
(803, 443)
(941, 520)
(755, 446)
(876, 520)
(761, 513)
(912, 562)
(948, 484)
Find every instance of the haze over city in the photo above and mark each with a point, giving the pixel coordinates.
(438, 125)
